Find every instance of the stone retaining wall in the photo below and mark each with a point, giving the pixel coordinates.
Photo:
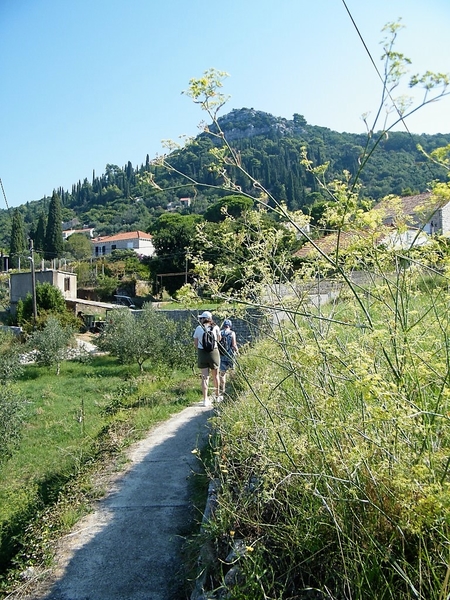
(247, 329)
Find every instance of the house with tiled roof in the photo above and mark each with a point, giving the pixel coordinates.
(407, 222)
(138, 241)
(427, 212)
(327, 244)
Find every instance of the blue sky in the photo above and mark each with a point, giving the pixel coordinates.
(92, 82)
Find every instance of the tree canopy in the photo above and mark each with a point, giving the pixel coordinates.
(268, 147)
(232, 205)
(79, 246)
(17, 245)
(53, 234)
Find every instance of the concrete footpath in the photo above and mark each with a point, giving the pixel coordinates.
(130, 547)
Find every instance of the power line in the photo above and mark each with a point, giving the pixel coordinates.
(4, 195)
(375, 66)
(383, 81)
(362, 40)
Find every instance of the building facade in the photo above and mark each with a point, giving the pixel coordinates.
(138, 241)
(21, 284)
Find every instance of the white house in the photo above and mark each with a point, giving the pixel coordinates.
(177, 204)
(402, 240)
(407, 221)
(139, 241)
(89, 231)
(426, 212)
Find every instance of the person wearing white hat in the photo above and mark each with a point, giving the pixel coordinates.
(208, 359)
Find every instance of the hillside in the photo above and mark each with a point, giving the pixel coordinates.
(269, 148)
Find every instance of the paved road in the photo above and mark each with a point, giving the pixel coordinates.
(129, 548)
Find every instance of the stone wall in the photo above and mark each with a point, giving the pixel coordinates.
(247, 329)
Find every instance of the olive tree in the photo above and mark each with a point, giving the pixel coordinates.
(10, 366)
(11, 404)
(147, 335)
(51, 343)
(11, 415)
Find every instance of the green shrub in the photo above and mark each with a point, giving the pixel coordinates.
(10, 364)
(49, 302)
(11, 415)
(147, 336)
(106, 287)
(51, 343)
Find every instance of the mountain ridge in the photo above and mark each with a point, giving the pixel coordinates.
(270, 150)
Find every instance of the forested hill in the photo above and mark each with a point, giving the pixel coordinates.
(269, 148)
(396, 167)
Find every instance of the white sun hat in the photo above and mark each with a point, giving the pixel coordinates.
(205, 315)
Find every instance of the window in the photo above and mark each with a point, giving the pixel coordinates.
(67, 284)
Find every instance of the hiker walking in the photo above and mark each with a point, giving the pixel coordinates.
(228, 350)
(206, 336)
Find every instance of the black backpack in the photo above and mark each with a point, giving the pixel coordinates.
(225, 343)
(208, 340)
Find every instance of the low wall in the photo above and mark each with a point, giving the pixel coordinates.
(247, 329)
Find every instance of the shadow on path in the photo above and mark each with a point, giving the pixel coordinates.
(130, 547)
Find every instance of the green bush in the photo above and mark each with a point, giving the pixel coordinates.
(51, 343)
(10, 364)
(11, 415)
(49, 301)
(147, 336)
(106, 287)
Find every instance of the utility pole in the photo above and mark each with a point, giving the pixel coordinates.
(33, 282)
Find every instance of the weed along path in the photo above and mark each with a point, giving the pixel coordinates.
(130, 547)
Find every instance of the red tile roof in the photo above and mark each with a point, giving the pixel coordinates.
(420, 207)
(328, 243)
(129, 235)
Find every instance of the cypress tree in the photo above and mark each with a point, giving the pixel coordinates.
(39, 238)
(129, 171)
(53, 235)
(17, 245)
(32, 232)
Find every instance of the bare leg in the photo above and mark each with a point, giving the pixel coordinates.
(216, 380)
(205, 384)
(223, 377)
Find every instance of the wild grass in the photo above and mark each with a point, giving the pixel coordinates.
(75, 422)
(334, 455)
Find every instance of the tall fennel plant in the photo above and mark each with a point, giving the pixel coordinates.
(336, 463)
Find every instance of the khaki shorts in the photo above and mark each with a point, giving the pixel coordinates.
(208, 360)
